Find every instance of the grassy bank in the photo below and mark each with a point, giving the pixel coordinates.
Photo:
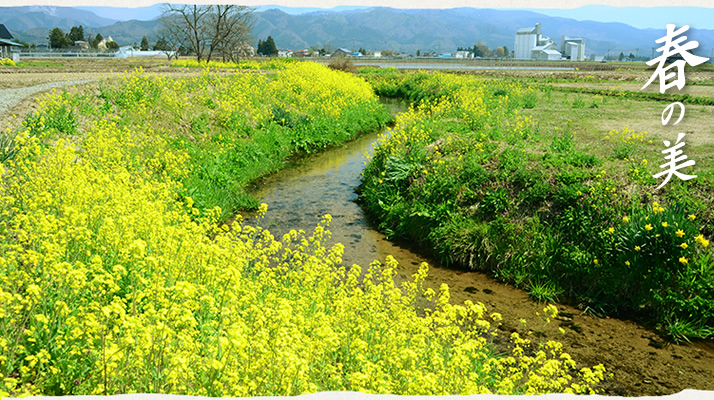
(494, 175)
(117, 276)
(232, 128)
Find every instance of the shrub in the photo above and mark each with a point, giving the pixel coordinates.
(343, 64)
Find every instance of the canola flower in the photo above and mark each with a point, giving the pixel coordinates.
(244, 64)
(112, 280)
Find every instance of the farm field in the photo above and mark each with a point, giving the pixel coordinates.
(144, 237)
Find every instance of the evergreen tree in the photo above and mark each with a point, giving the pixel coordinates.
(94, 42)
(269, 47)
(144, 44)
(58, 39)
(481, 50)
(161, 45)
(75, 34)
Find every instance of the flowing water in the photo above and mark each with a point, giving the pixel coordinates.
(643, 363)
(322, 184)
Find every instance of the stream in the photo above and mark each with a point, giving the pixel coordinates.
(641, 361)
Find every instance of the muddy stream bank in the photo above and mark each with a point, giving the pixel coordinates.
(642, 362)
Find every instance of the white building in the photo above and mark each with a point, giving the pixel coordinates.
(130, 51)
(462, 54)
(573, 48)
(532, 45)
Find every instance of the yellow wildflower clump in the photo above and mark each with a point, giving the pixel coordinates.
(113, 281)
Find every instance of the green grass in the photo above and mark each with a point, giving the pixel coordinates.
(555, 194)
(37, 63)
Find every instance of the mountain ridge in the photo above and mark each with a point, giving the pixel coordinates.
(373, 28)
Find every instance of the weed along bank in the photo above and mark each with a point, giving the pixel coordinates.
(493, 175)
(130, 264)
(470, 173)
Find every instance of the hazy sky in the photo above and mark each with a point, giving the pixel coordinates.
(640, 17)
(640, 14)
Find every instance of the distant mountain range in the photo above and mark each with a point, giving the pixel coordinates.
(370, 28)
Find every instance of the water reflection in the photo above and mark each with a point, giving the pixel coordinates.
(324, 184)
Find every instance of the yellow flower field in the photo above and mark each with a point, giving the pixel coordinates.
(113, 279)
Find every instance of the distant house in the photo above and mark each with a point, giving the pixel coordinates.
(341, 52)
(285, 53)
(82, 44)
(6, 42)
(301, 53)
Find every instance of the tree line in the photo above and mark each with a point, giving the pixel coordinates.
(58, 39)
(481, 50)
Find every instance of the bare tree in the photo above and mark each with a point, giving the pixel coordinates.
(232, 26)
(208, 30)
